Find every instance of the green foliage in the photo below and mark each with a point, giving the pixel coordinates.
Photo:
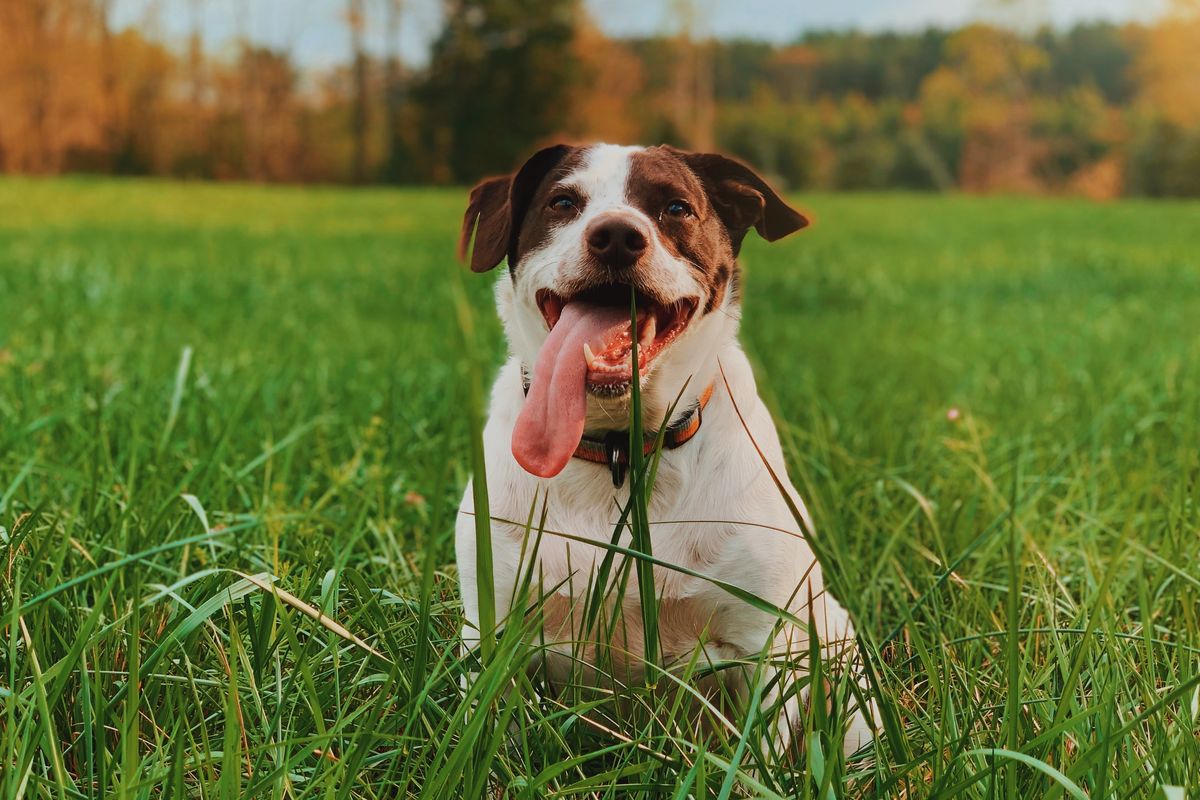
(1090, 55)
(880, 66)
(1164, 160)
(233, 438)
(498, 83)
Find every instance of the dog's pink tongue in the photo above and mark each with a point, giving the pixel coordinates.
(551, 423)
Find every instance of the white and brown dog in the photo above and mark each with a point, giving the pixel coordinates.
(583, 229)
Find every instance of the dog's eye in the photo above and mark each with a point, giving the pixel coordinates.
(678, 208)
(562, 202)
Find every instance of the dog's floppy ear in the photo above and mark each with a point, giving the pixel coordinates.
(489, 206)
(742, 199)
(497, 208)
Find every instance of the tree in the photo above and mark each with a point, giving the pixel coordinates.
(1168, 65)
(603, 103)
(983, 89)
(394, 90)
(356, 18)
(50, 95)
(692, 79)
(1089, 54)
(500, 79)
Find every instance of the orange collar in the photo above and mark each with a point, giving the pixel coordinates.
(613, 448)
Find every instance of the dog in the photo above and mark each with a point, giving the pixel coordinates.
(584, 230)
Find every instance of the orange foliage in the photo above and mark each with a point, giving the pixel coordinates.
(1101, 180)
(984, 87)
(50, 89)
(1168, 65)
(984, 108)
(612, 81)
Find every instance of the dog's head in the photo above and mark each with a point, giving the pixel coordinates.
(587, 229)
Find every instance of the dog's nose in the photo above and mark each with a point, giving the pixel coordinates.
(617, 242)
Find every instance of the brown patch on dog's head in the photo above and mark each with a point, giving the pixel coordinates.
(497, 209)
(704, 204)
(743, 199)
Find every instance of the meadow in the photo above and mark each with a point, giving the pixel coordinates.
(235, 423)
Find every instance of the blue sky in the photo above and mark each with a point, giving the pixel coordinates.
(314, 32)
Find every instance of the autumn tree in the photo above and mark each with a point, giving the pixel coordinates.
(1165, 151)
(1168, 65)
(356, 18)
(983, 89)
(1097, 109)
(605, 99)
(691, 95)
(399, 144)
(51, 101)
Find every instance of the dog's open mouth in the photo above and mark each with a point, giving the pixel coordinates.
(589, 349)
(608, 349)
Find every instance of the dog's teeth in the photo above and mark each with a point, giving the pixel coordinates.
(588, 355)
(649, 331)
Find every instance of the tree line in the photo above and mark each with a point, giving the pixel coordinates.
(1100, 109)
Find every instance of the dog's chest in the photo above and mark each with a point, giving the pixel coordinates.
(691, 530)
(582, 513)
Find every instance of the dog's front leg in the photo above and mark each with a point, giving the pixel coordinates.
(464, 556)
(792, 690)
(505, 566)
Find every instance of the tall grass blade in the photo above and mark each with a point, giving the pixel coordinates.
(638, 497)
(1012, 706)
(1041, 766)
(181, 373)
(485, 581)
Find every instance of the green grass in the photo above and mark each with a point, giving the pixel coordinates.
(207, 391)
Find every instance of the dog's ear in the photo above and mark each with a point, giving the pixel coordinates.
(497, 208)
(742, 199)
(488, 205)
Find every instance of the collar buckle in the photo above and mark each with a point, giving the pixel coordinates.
(616, 455)
(613, 449)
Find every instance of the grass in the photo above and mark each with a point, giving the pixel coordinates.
(234, 429)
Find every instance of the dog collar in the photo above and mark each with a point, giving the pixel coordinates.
(613, 448)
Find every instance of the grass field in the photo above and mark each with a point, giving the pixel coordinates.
(991, 406)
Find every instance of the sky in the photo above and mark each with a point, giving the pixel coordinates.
(315, 33)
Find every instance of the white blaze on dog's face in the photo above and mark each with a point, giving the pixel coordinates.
(585, 229)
